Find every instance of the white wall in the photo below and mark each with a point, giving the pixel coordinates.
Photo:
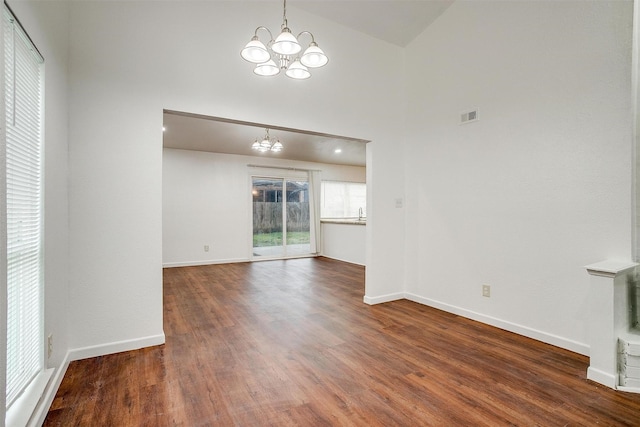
(47, 23)
(205, 201)
(541, 185)
(128, 61)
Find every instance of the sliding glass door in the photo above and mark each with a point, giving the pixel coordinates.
(268, 217)
(297, 240)
(280, 217)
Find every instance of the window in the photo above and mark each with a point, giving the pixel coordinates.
(23, 68)
(343, 199)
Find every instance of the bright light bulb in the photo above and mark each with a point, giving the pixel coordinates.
(255, 51)
(286, 43)
(314, 57)
(298, 71)
(287, 47)
(268, 68)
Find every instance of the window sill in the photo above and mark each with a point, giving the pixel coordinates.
(23, 408)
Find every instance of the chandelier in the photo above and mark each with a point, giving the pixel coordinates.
(285, 51)
(267, 144)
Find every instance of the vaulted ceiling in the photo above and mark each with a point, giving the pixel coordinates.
(394, 21)
(397, 22)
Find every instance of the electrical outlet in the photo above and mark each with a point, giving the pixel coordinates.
(486, 291)
(206, 248)
(49, 345)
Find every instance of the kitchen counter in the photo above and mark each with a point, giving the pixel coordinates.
(348, 221)
(344, 242)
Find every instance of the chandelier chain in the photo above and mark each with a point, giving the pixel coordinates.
(284, 15)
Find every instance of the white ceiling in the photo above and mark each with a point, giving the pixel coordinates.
(201, 133)
(394, 21)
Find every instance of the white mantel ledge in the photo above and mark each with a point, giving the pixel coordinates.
(610, 268)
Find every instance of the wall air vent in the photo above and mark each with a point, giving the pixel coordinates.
(469, 116)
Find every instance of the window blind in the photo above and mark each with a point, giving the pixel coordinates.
(343, 199)
(23, 110)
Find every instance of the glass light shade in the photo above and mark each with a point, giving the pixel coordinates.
(268, 68)
(298, 71)
(255, 51)
(314, 57)
(265, 143)
(286, 43)
(256, 145)
(276, 147)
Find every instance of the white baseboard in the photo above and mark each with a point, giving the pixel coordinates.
(343, 260)
(206, 262)
(545, 337)
(382, 298)
(115, 347)
(628, 389)
(38, 417)
(602, 377)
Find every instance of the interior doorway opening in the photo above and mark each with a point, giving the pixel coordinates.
(208, 193)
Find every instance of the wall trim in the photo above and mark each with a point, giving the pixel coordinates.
(383, 298)
(206, 262)
(115, 347)
(602, 377)
(343, 260)
(535, 334)
(628, 389)
(558, 341)
(39, 415)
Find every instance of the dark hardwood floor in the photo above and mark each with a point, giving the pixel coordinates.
(290, 343)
